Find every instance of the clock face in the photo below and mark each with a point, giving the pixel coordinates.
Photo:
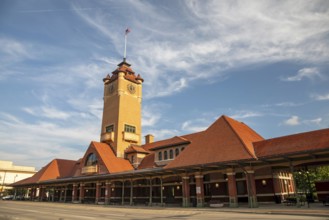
(131, 88)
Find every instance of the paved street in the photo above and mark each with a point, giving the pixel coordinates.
(35, 210)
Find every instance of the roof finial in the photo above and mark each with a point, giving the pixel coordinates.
(125, 51)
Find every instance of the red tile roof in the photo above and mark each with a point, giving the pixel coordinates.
(225, 140)
(57, 168)
(113, 164)
(136, 149)
(302, 142)
(175, 141)
(147, 162)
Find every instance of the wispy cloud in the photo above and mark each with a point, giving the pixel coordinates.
(48, 112)
(295, 121)
(257, 33)
(246, 114)
(308, 73)
(320, 97)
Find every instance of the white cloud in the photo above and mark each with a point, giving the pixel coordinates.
(292, 121)
(309, 73)
(321, 97)
(47, 112)
(44, 140)
(210, 40)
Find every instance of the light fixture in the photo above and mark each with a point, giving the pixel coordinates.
(264, 182)
(217, 185)
(178, 187)
(112, 189)
(163, 188)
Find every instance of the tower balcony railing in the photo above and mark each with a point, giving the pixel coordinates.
(89, 169)
(107, 136)
(130, 137)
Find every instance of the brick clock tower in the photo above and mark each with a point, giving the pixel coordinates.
(121, 124)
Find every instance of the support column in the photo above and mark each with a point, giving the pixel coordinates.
(65, 192)
(131, 192)
(186, 190)
(74, 192)
(292, 171)
(161, 192)
(150, 197)
(232, 191)
(123, 193)
(98, 192)
(82, 193)
(33, 193)
(108, 191)
(277, 188)
(41, 193)
(251, 187)
(199, 189)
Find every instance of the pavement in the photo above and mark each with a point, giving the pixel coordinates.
(313, 209)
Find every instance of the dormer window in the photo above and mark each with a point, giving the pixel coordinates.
(91, 160)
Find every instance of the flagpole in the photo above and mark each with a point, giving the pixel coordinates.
(125, 51)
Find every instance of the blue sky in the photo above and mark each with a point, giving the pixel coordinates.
(261, 62)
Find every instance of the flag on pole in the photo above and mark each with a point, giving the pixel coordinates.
(127, 31)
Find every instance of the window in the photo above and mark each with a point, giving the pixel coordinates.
(165, 155)
(182, 149)
(176, 152)
(132, 159)
(160, 156)
(171, 154)
(109, 128)
(130, 129)
(91, 160)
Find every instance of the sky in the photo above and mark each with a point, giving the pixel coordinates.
(261, 62)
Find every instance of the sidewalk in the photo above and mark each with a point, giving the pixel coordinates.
(314, 209)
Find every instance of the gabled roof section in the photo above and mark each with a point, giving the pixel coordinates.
(147, 162)
(136, 149)
(57, 168)
(302, 142)
(224, 141)
(174, 141)
(112, 163)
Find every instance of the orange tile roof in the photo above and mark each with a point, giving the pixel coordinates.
(136, 149)
(57, 168)
(302, 142)
(147, 162)
(225, 140)
(113, 164)
(174, 141)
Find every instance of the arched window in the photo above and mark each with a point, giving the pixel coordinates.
(171, 154)
(91, 160)
(165, 155)
(176, 152)
(160, 156)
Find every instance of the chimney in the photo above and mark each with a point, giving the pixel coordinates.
(149, 139)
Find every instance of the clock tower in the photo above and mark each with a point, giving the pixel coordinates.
(121, 123)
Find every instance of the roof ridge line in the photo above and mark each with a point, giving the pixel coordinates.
(240, 139)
